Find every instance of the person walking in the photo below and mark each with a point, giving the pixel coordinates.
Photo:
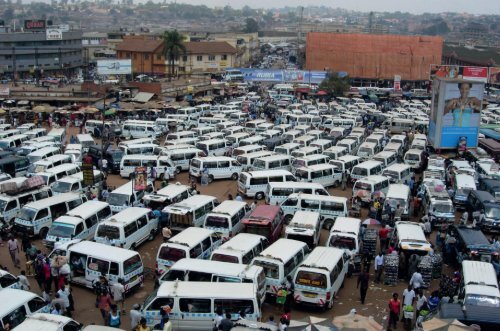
(226, 324)
(24, 283)
(290, 288)
(394, 311)
(416, 280)
(383, 235)
(13, 247)
(379, 265)
(135, 316)
(166, 233)
(363, 282)
(142, 326)
(104, 305)
(114, 317)
(118, 291)
(344, 181)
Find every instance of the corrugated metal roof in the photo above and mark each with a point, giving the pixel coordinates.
(143, 97)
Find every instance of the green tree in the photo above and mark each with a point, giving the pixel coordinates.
(251, 25)
(173, 48)
(335, 85)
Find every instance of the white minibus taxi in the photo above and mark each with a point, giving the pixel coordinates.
(85, 140)
(78, 223)
(162, 165)
(166, 196)
(76, 184)
(216, 167)
(8, 280)
(364, 169)
(387, 158)
(54, 174)
(329, 207)
(189, 270)
(127, 229)
(409, 237)
(191, 243)
(17, 305)
(280, 260)
(479, 285)
(398, 173)
(50, 162)
(190, 212)
(254, 183)
(240, 249)
(235, 138)
(335, 152)
(193, 305)
(11, 204)
(345, 234)
(305, 226)
(277, 192)
(272, 162)
(247, 159)
(399, 195)
(49, 322)
(367, 150)
(127, 196)
(414, 158)
(370, 184)
(143, 149)
(286, 149)
(140, 129)
(251, 126)
(43, 153)
(324, 174)
(320, 276)
(248, 149)
(225, 219)
(214, 147)
(305, 151)
(90, 260)
(309, 160)
(252, 140)
(346, 163)
(181, 157)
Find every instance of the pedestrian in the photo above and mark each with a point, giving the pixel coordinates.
(135, 315)
(167, 326)
(226, 324)
(47, 275)
(166, 233)
(56, 309)
(344, 181)
(465, 218)
(412, 265)
(253, 205)
(114, 317)
(408, 296)
(219, 316)
(290, 288)
(238, 197)
(363, 282)
(421, 300)
(230, 196)
(24, 283)
(142, 326)
(58, 301)
(383, 235)
(13, 247)
(118, 291)
(271, 321)
(63, 295)
(398, 213)
(284, 323)
(379, 265)
(104, 305)
(427, 227)
(416, 280)
(68, 291)
(394, 311)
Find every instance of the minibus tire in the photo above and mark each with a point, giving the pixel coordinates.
(288, 218)
(328, 224)
(210, 178)
(259, 195)
(43, 233)
(234, 176)
(152, 235)
(132, 247)
(178, 170)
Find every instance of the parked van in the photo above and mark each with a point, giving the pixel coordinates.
(58, 134)
(76, 184)
(277, 192)
(272, 162)
(15, 166)
(217, 167)
(398, 173)
(305, 151)
(291, 135)
(286, 149)
(324, 174)
(43, 153)
(35, 218)
(166, 196)
(346, 163)
(78, 223)
(305, 226)
(128, 229)
(345, 235)
(364, 169)
(162, 165)
(190, 212)
(189, 270)
(143, 149)
(248, 149)
(26, 150)
(90, 260)
(194, 304)
(329, 207)
(254, 183)
(399, 125)
(49, 322)
(320, 276)
(11, 204)
(13, 142)
(394, 147)
(225, 219)
(280, 260)
(8, 280)
(246, 160)
(371, 184)
(18, 304)
(251, 126)
(133, 129)
(181, 157)
(50, 162)
(252, 140)
(240, 249)
(191, 243)
(410, 238)
(126, 196)
(335, 152)
(85, 140)
(479, 285)
(54, 174)
(235, 138)
(399, 195)
(138, 141)
(367, 149)
(95, 127)
(462, 185)
(387, 158)
(414, 158)
(214, 147)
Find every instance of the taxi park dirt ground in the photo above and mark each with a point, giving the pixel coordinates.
(347, 299)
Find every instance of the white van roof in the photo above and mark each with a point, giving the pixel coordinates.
(479, 273)
(215, 158)
(322, 258)
(61, 167)
(398, 167)
(465, 181)
(304, 219)
(125, 188)
(52, 200)
(398, 191)
(127, 215)
(14, 297)
(190, 236)
(207, 290)
(87, 209)
(318, 197)
(346, 225)
(322, 166)
(241, 242)
(373, 179)
(282, 249)
(43, 322)
(42, 151)
(101, 250)
(368, 164)
(229, 207)
(266, 173)
(188, 204)
(172, 190)
(412, 232)
(295, 185)
(76, 177)
(222, 268)
(347, 158)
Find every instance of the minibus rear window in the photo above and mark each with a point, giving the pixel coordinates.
(217, 222)
(271, 269)
(132, 264)
(225, 258)
(362, 186)
(312, 279)
(111, 232)
(171, 254)
(343, 242)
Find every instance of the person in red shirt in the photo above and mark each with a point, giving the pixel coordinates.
(394, 310)
(383, 234)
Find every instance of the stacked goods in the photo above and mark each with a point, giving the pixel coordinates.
(426, 267)
(20, 184)
(370, 242)
(437, 265)
(391, 266)
(446, 287)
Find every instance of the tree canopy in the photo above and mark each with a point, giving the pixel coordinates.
(335, 85)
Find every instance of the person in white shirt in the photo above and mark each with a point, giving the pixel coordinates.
(118, 291)
(379, 265)
(408, 296)
(465, 218)
(416, 280)
(421, 299)
(23, 281)
(63, 295)
(135, 315)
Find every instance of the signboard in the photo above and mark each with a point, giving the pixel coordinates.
(494, 77)
(34, 24)
(4, 92)
(284, 76)
(455, 113)
(54, 34)
(88, 174)
(479, 74)
(397, 82)
(141, 178)
(64, 27)
(114, 67)
(223, 64)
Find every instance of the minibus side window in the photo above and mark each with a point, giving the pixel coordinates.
(91, 221)
(247, 258)
(42, 213)
(142, 221)
(114, 269)
(104, 213)
(100, 266)
(195, 251)
(129, 229)
(234, 306)
(283, 192)
(16, 317)
(195, 305)
(311, 204)
(160, 303)
(289, 266)
(290, 202)
(73, 204)
(79, 228)
(195, 276)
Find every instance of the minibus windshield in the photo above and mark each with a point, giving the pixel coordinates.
(309, 240)
(217, 221)
(302, 174)
(309, 278)
(492, 212)
(394, 175)
(132, 264)
(224, 258)
(443, 208)
(108, 231)
(2, 204)
(117, 199)
(61, 230)
(359, 185)
(61, 187)
(171, 254)
(27, 214)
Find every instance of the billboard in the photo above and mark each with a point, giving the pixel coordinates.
(114, 67)
(54, 34)
(494, 77)
(34, 24)
(455, 112)
(283, 76)
(140, 178)
(479, 74)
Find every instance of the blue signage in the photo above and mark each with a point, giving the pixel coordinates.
(283, 76)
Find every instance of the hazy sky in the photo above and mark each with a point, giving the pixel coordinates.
(412, 6)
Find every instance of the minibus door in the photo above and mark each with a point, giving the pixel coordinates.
(195, 314)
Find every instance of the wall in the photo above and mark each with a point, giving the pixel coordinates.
(374, 56)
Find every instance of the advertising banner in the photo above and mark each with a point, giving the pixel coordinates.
(455, 113)
(54, 34)
(283, 76)
(114, 67)
(494, 77)
(34, 24)
(140, 178)
(88, 174)
(397, 82)
(479, 74)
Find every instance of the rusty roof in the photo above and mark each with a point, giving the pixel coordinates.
(209, 47)
(139, 45)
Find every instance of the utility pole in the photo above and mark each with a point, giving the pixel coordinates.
(299, 32)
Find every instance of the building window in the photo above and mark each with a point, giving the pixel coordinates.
(158, 57)
(224, 57)
(199, 58)
(135, 56)
(211, 58)
(182, 69)
(146, 56)
(128, 56)
(185, 58)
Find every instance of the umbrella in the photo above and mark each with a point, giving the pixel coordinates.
(2, 111)
(437, 324)
(362, 193)
(321, 93)
(43, 109)
(356, 322)
(371, 221)
(378, 194)
(91, 110)
(311, 323)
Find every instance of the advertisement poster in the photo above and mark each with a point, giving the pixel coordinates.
(479, 74)
(455, 113)
(494, 77)
(397, 83)
(54, 34)
(114, 67)
(141, 178)
(88, 174)
(283, 76)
